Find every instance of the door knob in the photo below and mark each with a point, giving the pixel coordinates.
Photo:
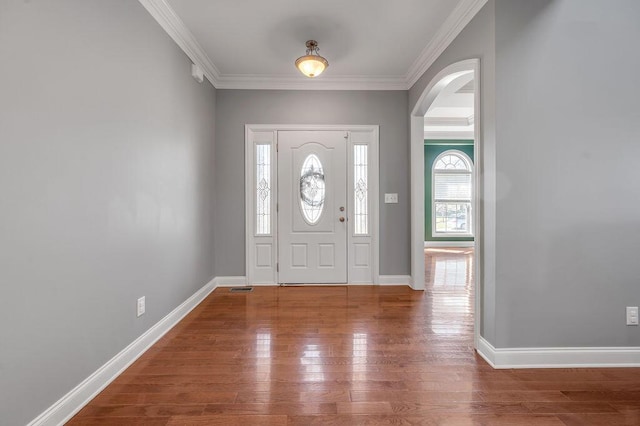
(341, 209)
(341, 219)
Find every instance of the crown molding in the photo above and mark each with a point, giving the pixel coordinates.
(448, 121)
(449, 135)
(169, 20)
(452, 26)
(178, 31)
(263, 82)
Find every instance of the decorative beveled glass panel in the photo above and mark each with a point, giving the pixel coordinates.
(263, 189)
(360, 189)
(312, 189)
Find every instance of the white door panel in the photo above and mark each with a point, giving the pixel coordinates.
(312, 190)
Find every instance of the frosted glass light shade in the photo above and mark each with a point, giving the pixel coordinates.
(311, 65)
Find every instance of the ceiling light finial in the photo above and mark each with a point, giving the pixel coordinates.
(312, 64)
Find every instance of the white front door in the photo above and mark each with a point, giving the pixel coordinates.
(312, 202)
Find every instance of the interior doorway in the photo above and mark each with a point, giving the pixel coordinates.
(427, 121)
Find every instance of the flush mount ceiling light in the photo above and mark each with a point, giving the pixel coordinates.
(311, 64)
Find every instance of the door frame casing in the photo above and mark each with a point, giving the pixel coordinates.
(266, 247)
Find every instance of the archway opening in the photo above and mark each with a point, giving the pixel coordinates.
(447, 116)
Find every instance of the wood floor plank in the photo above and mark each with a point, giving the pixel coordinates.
(292, 396)
(286, 408)
(367, 407)
(142, 410)
(361, 420)
(146, 398)
(599, 419)
(119, 421)
(569, 407)
(229, 420)
(610, 396)
(357, 355)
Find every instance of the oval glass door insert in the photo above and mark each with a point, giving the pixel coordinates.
(312, 189)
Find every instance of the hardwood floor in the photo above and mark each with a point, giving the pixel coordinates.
(359, 355)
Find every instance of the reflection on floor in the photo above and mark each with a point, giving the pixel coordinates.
(449, 282)
(351, 355)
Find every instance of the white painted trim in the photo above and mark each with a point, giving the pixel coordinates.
(178, 31)
(67, 406)
(457, 152)
(482, 245)
(449, 135)
(309, 127)
(428, 244)
(375, 203)
(266, 274)
(447, 121)
(236, 281)
(438, 83)
(486, 351)
(452, 26)
(587, 357)
(169, 20)
(394, 280)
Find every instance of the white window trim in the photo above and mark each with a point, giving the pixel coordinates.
(469, 162)
(266, 246)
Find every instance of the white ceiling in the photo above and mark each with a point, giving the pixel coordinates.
(370, 44)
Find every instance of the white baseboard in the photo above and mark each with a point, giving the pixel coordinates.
(448, 244)
(394, 280)
(605, 357)
(67, 406)
(241, 281)
(235, 281)
(486, 351)
(238, 281)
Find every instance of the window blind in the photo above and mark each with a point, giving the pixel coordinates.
(452, 186)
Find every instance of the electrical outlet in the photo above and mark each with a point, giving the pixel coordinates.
(632, 315)
(141, 306)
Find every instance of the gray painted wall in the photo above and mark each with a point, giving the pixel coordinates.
(568, 130)
(477, 40)
(560, 129)
(235, 108)
(106, 155)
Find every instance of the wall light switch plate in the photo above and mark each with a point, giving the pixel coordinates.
(632, 315)
(391, 198)
(141, 306)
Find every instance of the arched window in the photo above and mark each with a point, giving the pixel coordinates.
(452, 192)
